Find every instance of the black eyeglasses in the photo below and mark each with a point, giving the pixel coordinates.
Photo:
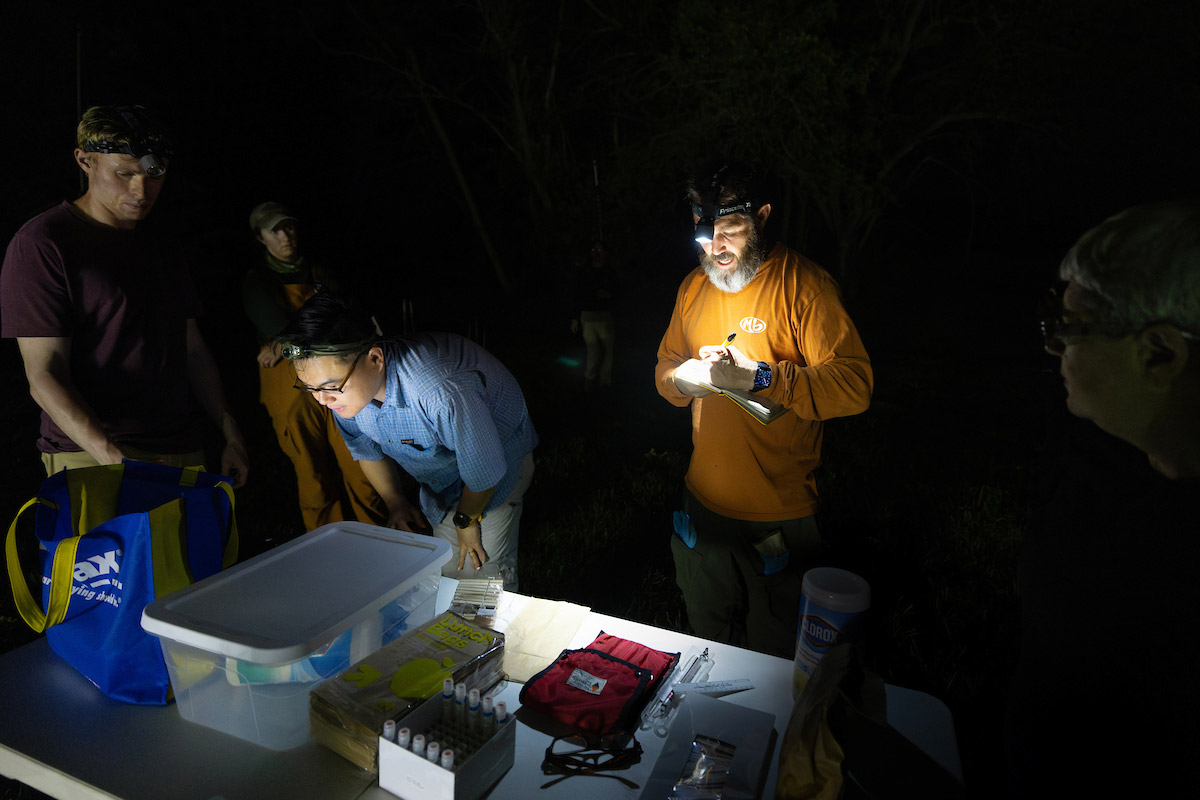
(579, 755)
(304, 387)
(1057, 329)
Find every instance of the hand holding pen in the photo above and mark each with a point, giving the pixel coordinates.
(711, 352)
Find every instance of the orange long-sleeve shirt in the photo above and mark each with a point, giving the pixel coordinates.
(791, 317)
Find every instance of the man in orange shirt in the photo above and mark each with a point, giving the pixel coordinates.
(747, 529)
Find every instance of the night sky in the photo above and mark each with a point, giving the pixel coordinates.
(1063, 113)
(278, 103)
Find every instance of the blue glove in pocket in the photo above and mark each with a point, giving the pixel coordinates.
(684, 529)
(774, 552)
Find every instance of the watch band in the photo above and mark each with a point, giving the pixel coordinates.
(762, 376)
(461, 520)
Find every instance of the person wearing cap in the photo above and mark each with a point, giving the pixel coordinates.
(105, 316)
(436, 406)
(747, 532)
(271, 292)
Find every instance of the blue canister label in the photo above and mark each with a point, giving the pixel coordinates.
(820, 629)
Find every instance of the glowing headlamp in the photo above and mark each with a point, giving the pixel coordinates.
(149, 149)
(709, 213)
(295, 352)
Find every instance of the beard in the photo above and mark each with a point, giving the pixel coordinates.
(746, 264)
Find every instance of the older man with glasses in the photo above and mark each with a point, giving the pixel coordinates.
(437, 406)
(1105, 702)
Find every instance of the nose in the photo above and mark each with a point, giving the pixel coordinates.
(324, 398)
(1055, 346)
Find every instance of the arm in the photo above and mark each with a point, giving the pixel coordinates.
(47, 366)
(835, 378)
(384, 477)
(470, 538)
(675, 362)
(205, 381)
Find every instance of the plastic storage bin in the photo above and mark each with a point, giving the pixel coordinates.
(244, 647)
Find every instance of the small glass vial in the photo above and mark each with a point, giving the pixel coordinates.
(447, 761)
(403, 737)
(433, 751)
(389, 730)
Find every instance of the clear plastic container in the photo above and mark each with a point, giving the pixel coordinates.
(244, 647)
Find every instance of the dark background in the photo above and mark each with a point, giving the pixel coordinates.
(938, 158)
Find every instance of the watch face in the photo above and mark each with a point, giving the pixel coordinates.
(461, 520)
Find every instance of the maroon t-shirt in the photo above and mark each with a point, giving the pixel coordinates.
(125, 304)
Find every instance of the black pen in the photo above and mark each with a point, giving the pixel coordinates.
(728, 339)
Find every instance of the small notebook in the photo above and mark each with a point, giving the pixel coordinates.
(758, 407)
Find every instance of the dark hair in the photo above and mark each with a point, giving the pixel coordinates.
(736, 183)
(328, 323)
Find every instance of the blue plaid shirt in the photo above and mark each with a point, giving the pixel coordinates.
(453, 415)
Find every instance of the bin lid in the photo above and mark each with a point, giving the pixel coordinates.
(282, 605)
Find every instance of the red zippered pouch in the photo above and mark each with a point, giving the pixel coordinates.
(601, 688)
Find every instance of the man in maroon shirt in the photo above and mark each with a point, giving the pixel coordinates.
(105, 319)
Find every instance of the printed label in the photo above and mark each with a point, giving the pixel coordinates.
(97, 572)
(586, 681)
(752, 325)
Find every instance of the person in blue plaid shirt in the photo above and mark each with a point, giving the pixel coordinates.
(436, 405)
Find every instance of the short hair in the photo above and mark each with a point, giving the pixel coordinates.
(328, 325)
(736, 183)
(1141, 266)
(113, 124)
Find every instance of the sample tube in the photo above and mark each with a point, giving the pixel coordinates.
(403, 737)
(418, 742)
(473, 723)
(447, 701)
(433, 751)
(489, 716)
(460, 701)
(447, 759)
(501, 713)
(389, 730)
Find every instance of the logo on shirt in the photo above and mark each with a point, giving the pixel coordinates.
(752, 325)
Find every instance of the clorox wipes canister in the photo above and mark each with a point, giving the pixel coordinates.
(831, 610)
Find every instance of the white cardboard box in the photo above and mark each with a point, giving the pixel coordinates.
(410, 777)
(244, 647)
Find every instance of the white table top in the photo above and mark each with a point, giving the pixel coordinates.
(59, 734)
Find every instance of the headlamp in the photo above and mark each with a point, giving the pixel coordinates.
(710, 212)
(296, 352)
(149, 147)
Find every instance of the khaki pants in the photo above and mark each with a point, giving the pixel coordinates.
(57, 462)
(311, 439)
(499, 531)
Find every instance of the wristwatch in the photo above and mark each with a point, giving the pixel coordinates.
(462, 520)
(762, 376)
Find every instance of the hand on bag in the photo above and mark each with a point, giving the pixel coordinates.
(470, 543)
(235, 463)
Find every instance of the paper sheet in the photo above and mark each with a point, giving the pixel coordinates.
(535, 632)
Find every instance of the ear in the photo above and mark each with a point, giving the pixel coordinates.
(375, 357)
(84, 160)
(1163, 352)
(260, 238)
(760, 218)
